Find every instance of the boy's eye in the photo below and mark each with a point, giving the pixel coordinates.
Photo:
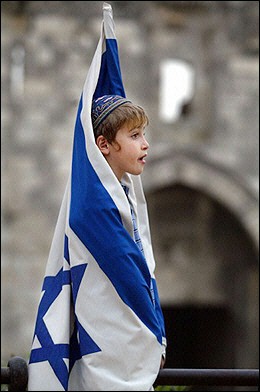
(135, 135)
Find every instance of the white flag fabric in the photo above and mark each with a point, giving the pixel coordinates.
(99, 325)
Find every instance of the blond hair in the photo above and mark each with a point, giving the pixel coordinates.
(128, 114)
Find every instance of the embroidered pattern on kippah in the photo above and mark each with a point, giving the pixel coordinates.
(103, 106)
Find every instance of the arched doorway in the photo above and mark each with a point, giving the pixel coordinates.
(207, 272)
(204, 224)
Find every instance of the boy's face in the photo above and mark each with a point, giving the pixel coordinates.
(127, 154)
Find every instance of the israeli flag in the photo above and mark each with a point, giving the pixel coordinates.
(99, 325)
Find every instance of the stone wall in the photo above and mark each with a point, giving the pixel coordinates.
(47, 48)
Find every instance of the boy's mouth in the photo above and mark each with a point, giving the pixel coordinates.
(142, 159)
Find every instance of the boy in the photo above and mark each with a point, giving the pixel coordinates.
(120, 136)
(99, 325)
(119, 130)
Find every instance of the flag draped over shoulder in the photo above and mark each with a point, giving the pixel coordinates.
(99, 325)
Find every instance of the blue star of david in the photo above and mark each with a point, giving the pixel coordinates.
(80, 342)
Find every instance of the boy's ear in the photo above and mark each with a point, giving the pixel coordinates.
(103, 144)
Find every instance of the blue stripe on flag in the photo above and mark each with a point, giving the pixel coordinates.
(158, 307)
(66, 249)
(110, 79)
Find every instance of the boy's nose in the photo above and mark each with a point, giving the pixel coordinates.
(145, 144)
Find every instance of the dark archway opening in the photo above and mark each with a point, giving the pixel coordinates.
(199, 336)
